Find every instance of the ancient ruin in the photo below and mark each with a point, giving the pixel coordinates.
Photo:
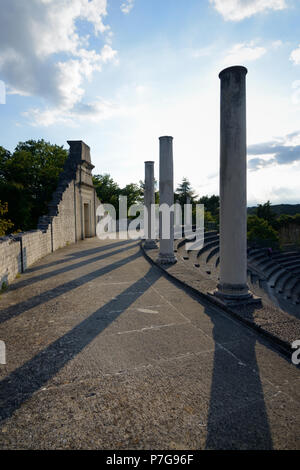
(166, 201)
(71, 217)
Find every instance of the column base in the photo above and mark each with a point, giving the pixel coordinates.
(150, 244)
(166, 259)
(234, 295)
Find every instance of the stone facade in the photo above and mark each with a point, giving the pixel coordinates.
(71, 217)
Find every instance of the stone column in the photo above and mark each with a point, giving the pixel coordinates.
(149, 201)
(233, 193)
(166, 198)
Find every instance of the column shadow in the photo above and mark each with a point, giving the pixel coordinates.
(77, 254)
(237, 417)
(21, 307)
(65, 269)
(23, 382)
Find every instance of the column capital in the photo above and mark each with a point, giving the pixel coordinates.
(234, 69)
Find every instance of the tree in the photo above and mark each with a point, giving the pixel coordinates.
(5, 224)
(108, 191)
(184, 191)
(259, 231)
(28, 178)
(264, 211)
(211, 204)
(133, 192)
(284, 220)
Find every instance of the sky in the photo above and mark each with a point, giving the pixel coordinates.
(118, 74)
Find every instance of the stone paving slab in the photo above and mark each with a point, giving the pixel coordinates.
(110, 354)
(275, 323)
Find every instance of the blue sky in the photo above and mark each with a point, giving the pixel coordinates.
(120, 73)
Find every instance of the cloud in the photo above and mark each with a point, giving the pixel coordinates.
(127, 6)
(42, 52)
(237, 10)
(282, 151)
(296, 93)
(244, 52)
(295, 56)
(99, 110)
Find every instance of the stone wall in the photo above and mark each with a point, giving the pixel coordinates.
(290, 234)
(71, 217)
(10, 259)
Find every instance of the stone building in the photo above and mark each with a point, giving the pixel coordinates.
(71, 217)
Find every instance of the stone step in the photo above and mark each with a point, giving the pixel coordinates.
(282, 282)
(295, 292)
(274, 278)
(207, 246)
(257, 256)
(289, 289)
(271, 271)
(288, 254)
(213, 252)
(291, 262)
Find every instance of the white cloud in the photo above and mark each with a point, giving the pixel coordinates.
(99, 110)
(237, 10)
(295, 56)
(243, 52)
(127, 6)
(42, 52)
(277, 44)
(296, 93)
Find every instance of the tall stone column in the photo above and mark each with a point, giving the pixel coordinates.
(149, 201)
(233, 184)
(166, 201)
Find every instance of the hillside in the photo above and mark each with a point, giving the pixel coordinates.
(289, 209)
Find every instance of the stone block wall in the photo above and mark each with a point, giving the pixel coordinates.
(63, 225)
(10, 259)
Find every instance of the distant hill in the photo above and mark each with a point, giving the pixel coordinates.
(289, 209)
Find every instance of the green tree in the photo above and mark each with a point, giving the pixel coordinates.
(133, 192)
(184, 191)
(284, 220)
(264, 211)
(5, 224)
(211, 204)
(107, 190)
(28, 178)
(260, 231)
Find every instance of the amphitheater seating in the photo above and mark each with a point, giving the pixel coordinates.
(280, 270)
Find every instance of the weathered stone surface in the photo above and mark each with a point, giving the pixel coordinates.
(233, 195)
(149, 201)
(166, 198)
(104, 352)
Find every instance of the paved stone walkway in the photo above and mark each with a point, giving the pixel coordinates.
(103, 352)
